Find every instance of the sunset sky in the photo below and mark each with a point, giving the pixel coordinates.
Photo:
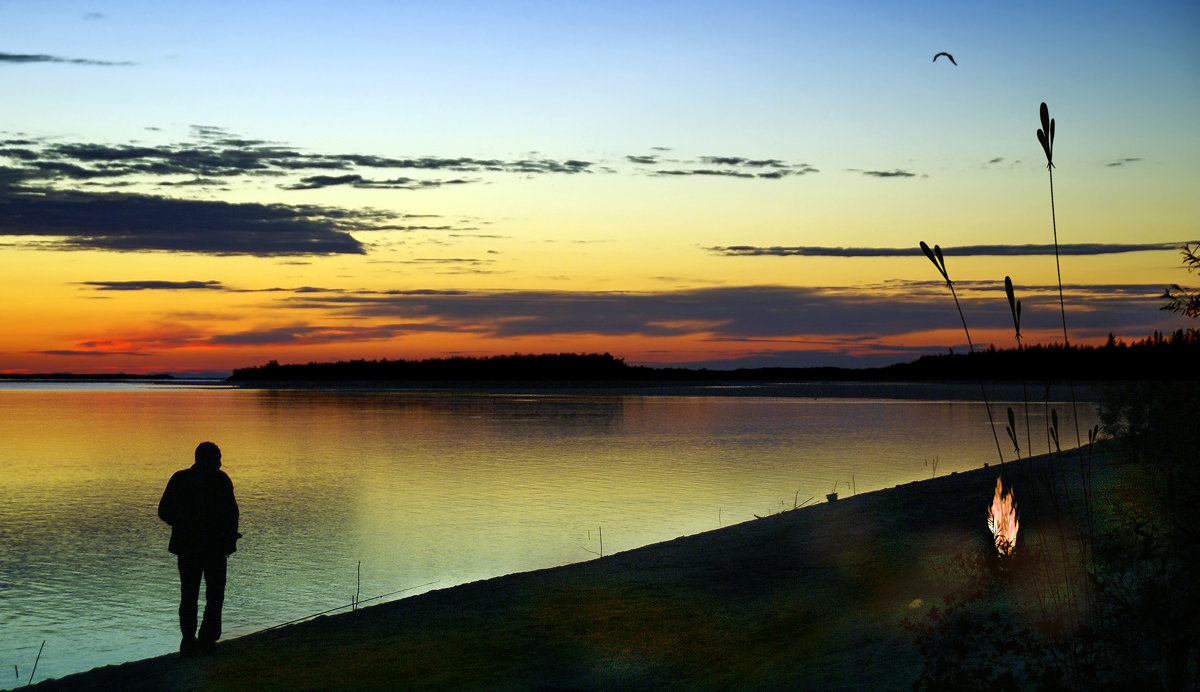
(197, 187)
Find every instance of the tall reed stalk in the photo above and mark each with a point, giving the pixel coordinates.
(1014, 306)
(1050, 597)
(1045, 135)
(939, 262)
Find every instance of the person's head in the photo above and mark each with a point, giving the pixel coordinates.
(208, 456)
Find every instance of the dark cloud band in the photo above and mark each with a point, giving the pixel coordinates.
(155, 285)
(1078, 249)
(80, 220)
(730, 313)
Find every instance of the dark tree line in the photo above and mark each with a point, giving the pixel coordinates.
(1159, 356)
(544, 367)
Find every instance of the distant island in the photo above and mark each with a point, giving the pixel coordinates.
(1157, 357)
(77, 377)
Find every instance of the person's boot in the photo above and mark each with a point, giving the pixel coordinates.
(188, 646)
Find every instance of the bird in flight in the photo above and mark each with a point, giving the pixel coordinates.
(947, 55)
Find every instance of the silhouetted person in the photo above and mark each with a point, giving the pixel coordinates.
(199, 505)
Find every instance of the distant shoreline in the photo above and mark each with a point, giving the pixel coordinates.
(914, 390)
(82, 377)
(814, 389)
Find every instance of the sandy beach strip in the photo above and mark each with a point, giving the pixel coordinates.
(811, 598)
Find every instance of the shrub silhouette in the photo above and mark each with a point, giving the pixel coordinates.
(1185, 300)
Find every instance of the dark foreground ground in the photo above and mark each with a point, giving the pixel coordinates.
(807, 599)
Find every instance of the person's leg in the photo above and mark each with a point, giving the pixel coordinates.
(190, 568)
(214, 598)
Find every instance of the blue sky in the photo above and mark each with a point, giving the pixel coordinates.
(572, 150)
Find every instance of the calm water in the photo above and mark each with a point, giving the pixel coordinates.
(417, 487)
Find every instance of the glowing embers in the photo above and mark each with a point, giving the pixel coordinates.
(1002, 520)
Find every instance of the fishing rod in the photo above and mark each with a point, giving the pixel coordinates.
(348, 605)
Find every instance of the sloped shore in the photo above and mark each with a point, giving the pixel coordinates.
(806, 599)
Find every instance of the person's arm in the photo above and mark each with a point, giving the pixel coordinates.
(235, 514)
(230, 515)
(168, 506)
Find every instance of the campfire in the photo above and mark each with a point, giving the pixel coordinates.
(1002, 520)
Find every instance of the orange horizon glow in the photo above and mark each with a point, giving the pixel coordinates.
(634, 349)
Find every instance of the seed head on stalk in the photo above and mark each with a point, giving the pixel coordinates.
(1011, 429)
(1015, 306)
(1045, 135)
(935, 256)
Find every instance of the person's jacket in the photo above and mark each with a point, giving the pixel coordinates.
(199, 505)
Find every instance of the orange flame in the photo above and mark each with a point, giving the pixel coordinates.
(1002, 520)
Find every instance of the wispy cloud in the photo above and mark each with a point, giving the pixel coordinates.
(307, 334)
(91, 353)
(1000, 162)
(355, 180)
(705, 171)
(25, 59)
(1123, 161)
(720, 166)
(155, 285)
(742, 161)
(279, 336)
(895, 173)
(960, 251)
(450, 265)
(773, 173)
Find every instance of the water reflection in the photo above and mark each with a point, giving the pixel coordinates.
(417, 486)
